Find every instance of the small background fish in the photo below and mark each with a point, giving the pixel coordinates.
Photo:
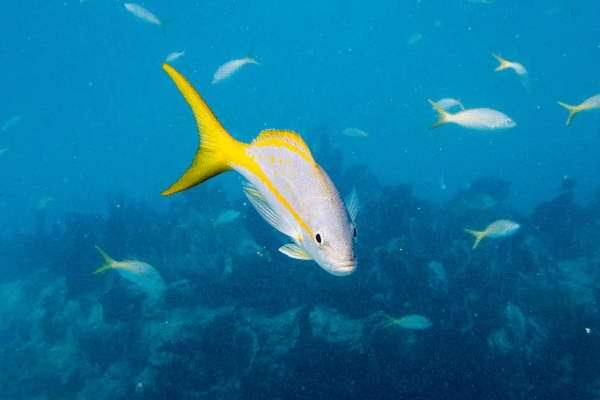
(226, 217)
(590, 105)
(500, 228)
(355, 132)
(142, 274)
(227, 70)
(12, 122)
(174, 56)
(409, 322)
(518, 68)
(482, 119)
(147, 16)
(448, 103)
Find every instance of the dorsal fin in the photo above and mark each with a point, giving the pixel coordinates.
(272, 136)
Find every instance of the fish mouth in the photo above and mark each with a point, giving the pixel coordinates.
(344, 268)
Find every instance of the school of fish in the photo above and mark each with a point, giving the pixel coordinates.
(289, 189)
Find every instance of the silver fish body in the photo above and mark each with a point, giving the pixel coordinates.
(483, 119)
(301, 201)
(227, 70)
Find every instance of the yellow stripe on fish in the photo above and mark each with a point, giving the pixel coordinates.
(285, 185)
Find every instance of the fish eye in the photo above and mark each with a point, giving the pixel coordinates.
(318, 238)
(355, 233)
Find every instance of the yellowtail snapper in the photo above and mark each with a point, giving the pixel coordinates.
(592, 104)
(483, 119)
(517, 67)
(500, 228)
(285, 185)
(142, 274)
(409, 322)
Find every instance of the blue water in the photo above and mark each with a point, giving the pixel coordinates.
(104, 130)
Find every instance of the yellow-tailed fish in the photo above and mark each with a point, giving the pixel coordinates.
(147, 16)
(591, 104)
(409, 322)
(483, 119)
(517, 67)
(137, 272)
(448, 103)
(226, 70)
(500, 228)
(285, 185)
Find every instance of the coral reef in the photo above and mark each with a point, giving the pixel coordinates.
(513, 318)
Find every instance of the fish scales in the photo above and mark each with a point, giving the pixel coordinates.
(294, 175)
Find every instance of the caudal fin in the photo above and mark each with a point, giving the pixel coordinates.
(108, 262)
(572, 111)
(217, 148)
(478, 236)
(392, 321)
(503, 63)
(163, 24)
(249, 56)
(442, 115)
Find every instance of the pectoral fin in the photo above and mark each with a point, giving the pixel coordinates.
(352, 204)
(267, 212)
(295, 251)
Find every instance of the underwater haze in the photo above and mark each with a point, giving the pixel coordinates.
(478, 226)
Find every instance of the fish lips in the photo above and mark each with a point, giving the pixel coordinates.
(343, 268)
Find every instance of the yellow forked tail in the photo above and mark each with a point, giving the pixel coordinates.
(249, 56)
(393, 321)
(503, 63)
(108, 262)
(572, 111)
(442, 115)
(217, 148)
(478, 235)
